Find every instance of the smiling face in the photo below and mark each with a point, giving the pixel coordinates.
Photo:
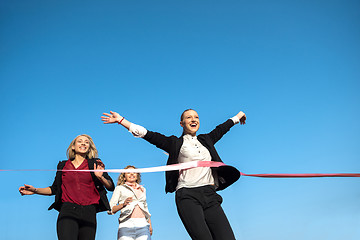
(130, 177)
(88, 149)
(81, 145)
(190, 122)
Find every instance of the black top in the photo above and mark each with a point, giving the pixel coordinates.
(227, 175)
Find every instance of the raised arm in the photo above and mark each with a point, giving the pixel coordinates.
(114, 117)
(159, 140)
(223, 128)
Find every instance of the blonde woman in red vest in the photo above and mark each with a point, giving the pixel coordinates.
(78, 195)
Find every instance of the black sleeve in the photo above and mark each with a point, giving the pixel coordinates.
(105, 174)
(216, 134)
(159, 140)
(54, 186)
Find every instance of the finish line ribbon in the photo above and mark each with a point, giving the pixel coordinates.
(301, 175)
(172, 167)
(194, 164)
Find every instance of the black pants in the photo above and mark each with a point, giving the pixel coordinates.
(76, 222)
(202, 215)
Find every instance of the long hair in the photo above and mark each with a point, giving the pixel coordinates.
(121, 179)
(92, 152)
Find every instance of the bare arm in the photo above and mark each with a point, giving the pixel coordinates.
(150, 227)
(114, 117)
(136, 130)
(30, 190)
(117, 208)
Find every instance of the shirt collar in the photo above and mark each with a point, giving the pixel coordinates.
(189, 137)
(133, 185)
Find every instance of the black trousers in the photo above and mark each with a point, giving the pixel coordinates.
(202, 215)
(76, 222)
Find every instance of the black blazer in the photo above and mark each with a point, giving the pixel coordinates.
(56, 187)
(227, 175)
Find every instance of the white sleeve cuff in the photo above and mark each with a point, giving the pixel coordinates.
(137, 130)
(235, 119)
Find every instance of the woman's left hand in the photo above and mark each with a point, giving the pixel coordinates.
(99, 165)
(242, 117)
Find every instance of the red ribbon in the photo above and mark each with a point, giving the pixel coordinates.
(301, 175)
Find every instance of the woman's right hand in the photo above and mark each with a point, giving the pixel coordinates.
(111, 117)
(27, 190)
(127, 201)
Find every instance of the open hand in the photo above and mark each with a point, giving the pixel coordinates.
(111, 117)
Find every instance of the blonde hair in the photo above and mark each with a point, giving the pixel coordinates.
(121, 179)
(92, 152)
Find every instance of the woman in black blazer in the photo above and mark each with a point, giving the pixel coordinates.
(78, 195)
(198, 204)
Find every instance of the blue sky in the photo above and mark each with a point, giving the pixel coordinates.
(291, 66)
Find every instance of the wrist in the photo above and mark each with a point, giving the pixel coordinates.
(121, 119)
(235, 119)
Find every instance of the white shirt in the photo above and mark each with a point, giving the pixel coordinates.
(193, 150)
(121, 193)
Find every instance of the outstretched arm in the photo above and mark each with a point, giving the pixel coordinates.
(114, 117)
(30, 190)
(223, 128)
(159, 140)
